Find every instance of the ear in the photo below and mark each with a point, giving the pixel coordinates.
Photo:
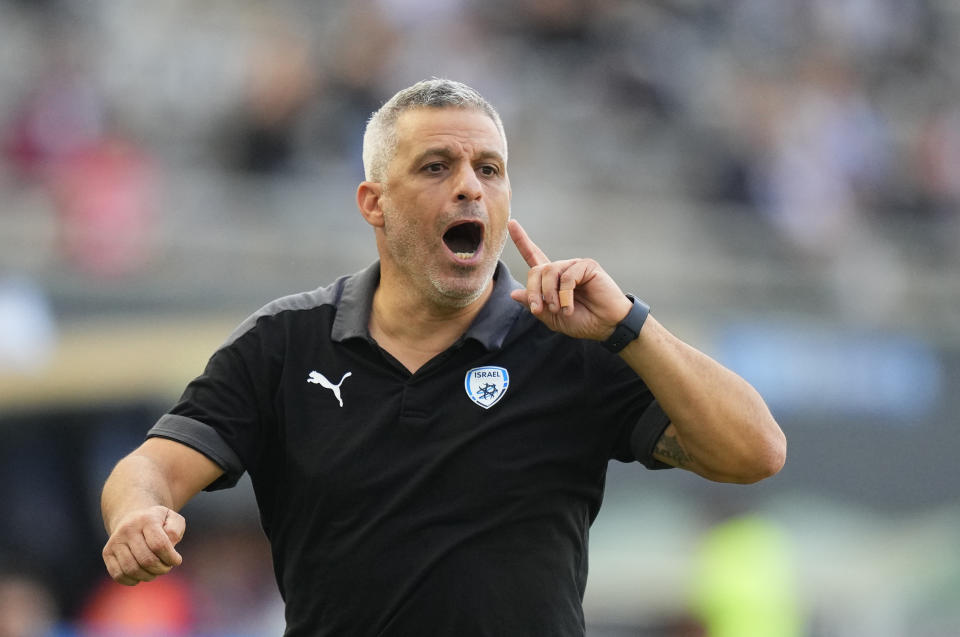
(368, 201)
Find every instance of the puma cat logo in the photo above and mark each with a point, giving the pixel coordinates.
(319, 379)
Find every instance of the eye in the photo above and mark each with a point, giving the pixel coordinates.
(435, 168)
(489, 170)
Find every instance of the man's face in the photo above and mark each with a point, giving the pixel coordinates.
(446, 203)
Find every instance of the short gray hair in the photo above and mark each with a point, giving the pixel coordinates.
(380, 137)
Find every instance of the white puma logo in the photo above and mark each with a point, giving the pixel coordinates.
(319, 379)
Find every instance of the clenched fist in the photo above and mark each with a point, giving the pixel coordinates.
(141, 546)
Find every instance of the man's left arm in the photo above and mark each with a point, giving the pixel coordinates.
(720, 427)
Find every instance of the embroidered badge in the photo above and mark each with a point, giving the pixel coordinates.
(486, 385)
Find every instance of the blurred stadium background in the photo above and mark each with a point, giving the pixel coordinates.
(780, 180)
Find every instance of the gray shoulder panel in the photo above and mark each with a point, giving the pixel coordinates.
(327, 295)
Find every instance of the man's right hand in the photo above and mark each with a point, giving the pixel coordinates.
(141, 546)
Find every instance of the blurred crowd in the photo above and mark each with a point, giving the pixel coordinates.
(818, 115)
(835, 123)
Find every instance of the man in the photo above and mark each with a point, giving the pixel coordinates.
(428, 439)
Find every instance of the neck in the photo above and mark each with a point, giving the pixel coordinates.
(414, 328)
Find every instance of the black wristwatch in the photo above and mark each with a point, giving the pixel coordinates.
(629, 328)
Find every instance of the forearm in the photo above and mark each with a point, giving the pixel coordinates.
(160, 472)
(720, 426)
(139, 504)
(136, 483)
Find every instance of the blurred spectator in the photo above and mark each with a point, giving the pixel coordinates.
(822, 158)
(106, 195)
(62, 112)
(61, 138)
(362, 51)
(280, 82)
(27, 607)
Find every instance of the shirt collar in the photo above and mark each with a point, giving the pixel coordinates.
(489, 328)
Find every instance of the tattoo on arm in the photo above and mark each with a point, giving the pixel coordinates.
(669, 450)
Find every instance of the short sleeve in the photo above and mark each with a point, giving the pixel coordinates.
(647, 431)
(630, 407)
(222, 412)
(204, 439)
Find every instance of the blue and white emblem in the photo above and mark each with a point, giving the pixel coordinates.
(486, 385)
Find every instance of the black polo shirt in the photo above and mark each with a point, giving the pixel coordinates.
(453, 501)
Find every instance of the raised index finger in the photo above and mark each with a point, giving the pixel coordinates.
(533, 255)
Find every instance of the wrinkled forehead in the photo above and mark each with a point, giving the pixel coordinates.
(464, 128)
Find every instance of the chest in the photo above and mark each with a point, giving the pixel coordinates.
(353, 432)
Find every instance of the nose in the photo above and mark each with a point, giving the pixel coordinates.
(468, 184)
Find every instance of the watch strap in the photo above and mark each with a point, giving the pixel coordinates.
(629, 328)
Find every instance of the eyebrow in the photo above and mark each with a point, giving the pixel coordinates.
(446, 153)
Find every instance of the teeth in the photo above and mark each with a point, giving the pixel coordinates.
(463, 255)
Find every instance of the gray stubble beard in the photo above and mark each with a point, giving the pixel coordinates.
(449, 296)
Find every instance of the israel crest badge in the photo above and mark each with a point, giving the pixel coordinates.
(486, 385)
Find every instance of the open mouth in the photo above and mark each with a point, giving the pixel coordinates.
(464, 239)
